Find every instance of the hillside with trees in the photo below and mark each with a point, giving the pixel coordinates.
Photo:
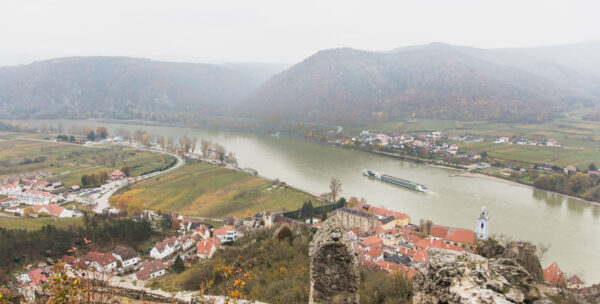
(122, 87)
(436, 81)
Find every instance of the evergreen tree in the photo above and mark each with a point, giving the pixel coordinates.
(178, 266)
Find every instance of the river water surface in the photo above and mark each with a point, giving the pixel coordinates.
(570, 226)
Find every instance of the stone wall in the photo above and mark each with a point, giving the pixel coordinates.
(334, 273)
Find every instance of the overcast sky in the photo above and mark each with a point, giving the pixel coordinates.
(280, 30)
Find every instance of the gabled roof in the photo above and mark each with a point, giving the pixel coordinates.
(53, 209)
(37, 277)
(102, 259)
(204, 246)
(126, 253)
(148, 268)
(554, 275)
(160, 246)
(117, 173)
(575, 280)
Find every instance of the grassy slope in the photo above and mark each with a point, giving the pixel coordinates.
(37, 223)
(70, 162)
(212, 191)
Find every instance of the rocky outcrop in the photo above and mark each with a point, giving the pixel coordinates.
(525, 254)
(334, 274)
(460, 277)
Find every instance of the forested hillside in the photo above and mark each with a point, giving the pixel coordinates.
(119, 87)
(438, 81)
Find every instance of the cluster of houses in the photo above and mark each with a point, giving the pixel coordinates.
(554, 276)
(18, 194)
(385, 240)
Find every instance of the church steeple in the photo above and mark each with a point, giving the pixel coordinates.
(482, 224)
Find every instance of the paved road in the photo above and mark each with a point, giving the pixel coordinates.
(102, 198)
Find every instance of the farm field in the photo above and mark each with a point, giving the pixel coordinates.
(70, 162)
(561, 157)
(207, 190)
(37, 223)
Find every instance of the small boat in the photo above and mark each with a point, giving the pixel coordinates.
(396, 181)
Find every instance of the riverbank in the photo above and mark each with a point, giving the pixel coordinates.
(516, 183)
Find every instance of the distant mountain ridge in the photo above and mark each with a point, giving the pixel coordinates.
(122, 87)
(434, 81)
(332, 86)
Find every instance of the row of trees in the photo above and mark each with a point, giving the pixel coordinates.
(94, 180)
(578, 185)
(126, 202)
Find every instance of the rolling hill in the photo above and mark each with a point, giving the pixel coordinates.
(122, 87)
(435, 81)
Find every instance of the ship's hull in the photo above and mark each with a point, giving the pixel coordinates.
(395, 181)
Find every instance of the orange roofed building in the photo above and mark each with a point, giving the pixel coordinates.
(554, 275)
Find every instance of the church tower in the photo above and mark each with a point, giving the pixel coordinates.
(482, 224)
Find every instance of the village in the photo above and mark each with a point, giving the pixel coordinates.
(383, 240)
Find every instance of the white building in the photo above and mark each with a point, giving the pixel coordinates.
(150, 270)
(164, 248)
(126, 255)
(206, 248)
(482, 224)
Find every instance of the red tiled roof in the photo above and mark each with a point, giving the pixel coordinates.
(205, 246)
(117, 173)
(148, 268)
(373, 241)
(37, 277)
(102, 259)
(554, 275)
(53, 209)
(575, 280)
(222, 230)
(421, 256)
(427, 243)
(458, 235)
(161, 245)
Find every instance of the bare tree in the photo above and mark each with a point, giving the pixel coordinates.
(335, 187)
(542, 249)
(204, 146)
(194, 142)
(161, 142)
(220, 150)
(170, 143)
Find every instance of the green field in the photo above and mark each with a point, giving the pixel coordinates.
(581, 138)
(70, 162)
(37, 223)
(213, 191)
(561, 157)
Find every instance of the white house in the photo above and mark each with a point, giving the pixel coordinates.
(164, 248)
(149, 270)
(206, 248)
(126, 255)
(10, 189)
(203, 231)
(225, 234)
(53, 210)
(185, 242)
(102, 262)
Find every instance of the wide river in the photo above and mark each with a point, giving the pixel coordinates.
(570, 226)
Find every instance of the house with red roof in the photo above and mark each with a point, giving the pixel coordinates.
(164, 248)
(454, 236)
(117, 175)
(53, 210)
(203, 231)
(574, 282)
(126, 256)
(570, 170)
(150, 270)
(394, 268)
(225, 234)
(185, 242)
(207, 248)
(421, 256)
(554, 275)
(102, 262)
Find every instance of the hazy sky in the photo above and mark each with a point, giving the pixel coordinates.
(279, 30)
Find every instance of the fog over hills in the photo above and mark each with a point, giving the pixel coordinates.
(435, 80)
(123, 87)
(332, 86)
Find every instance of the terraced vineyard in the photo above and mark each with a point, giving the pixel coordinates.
(212, 191)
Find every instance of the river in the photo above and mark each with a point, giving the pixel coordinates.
(570, 226)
